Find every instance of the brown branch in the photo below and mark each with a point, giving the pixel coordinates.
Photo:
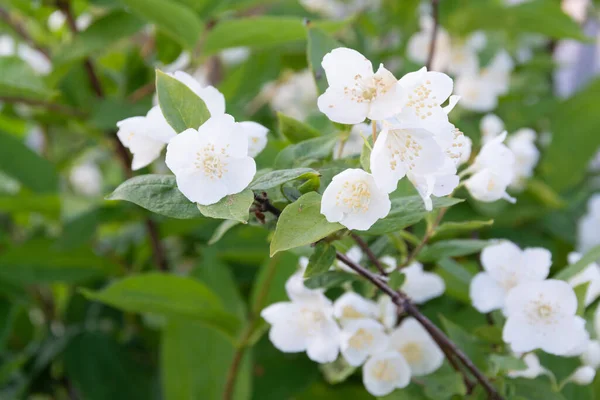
(430, 231)
(21, 31)
(142, 92)
(54, 107)
(367, 250)
(435, 14)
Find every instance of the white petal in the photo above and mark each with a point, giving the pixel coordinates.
(385, 170)
(488, 187)
(591, 355)
(277, 312)
(240, 172)
(441, 85)
(418, 348)
(361, 338)
(486, 295)
(323, 346)
(533, 370)
(181, 150)
(341, 108)
(214, 100)
(385, 372)
(422, 286)
(501, 255)
(194, 185)
(287, 338)
(454, 99)
(257, 137)
(351, 306)
(342, 65)
(583, 375)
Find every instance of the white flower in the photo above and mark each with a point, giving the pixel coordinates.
(486, 186)
(419, 45)
(353, 144)
(527, 155)
(56, 20)
(361, 338)
(505, 266)
(588, 234)
(351, 306)
(491, 126)
(591, 355)
(533, 368)
(385, 372)
(257, 137)
(295, 97)
(235, 55)
(214, 100)
(294, 286)
(421, 286)
(542, 315)
(463, 56)
(416, 346)
(583, 375)
(476, 92)
(497, 73)
(34, 58)
(86, 179)
(390, 263)
(304, 324)
(338, 9)
(590, 274)
(145, 136)
(354, 91)
(211, 162)
(387, 312)
(354, 200)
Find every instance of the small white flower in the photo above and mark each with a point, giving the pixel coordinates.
(476, 92)
(421, 286)
(497, 73)
(533, 368)
(257, 137)
(387, 312)
(390, 263)
(527, 155)
(211, 162)
(34, 58)
(416, 346)
(145, 136)
(354, 200)
(355, 92)
(487, 186)
(305, 324)
(583, 375)
(361, 338)
(588, 234)
(463, 57)
(214, 100)
(294, 286)
(86, 179)
(542, 315)
(235, 55)
(505, 266)
(385, 372)
(591, 355)
(295, 97)
(590, 274)
(419, 45)
(351, 306)
(491, 126)
(56, 20)
(353, 144)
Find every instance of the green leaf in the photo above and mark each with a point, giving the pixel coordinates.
(168, 295)
(337, 371)
(504, 363)
(182, 108)
(329, 279)
(221, 230)
(574, 126)
(305, 151)
(233, 206)
(471, 345)
(22, 164)
(157, 193)
(39, 261)
(591, 256)
(407, 211)
(19, 80)
(319, 44)
(294, 130)
(580, 292)
(100, 368)
(451, 248)
(457, 279)
(444, 383)
(263, 31)
(453, 228)
(176, 20)
(302, 223)
(535, 389)
(365, 156)
(397, 278)
(277, 178)
(320, 260)
(269, 284)
(99, 36)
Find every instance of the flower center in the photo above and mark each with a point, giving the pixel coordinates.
(355, 195)
(411, 351)
(403, 148)
(211, 161)
(543, 312)
(310, 320)
(384, 371)
(367, 89)
(350, 312)
(361, 339)
(421, 100)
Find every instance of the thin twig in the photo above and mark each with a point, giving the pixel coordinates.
(413, 255)
(367, 250)
(374, 131)
(435, 14)
(142, 92)
(54, 107)
(21, 31)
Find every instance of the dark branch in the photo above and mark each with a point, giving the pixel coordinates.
(367, 250)
(58, 108)
(435, 15)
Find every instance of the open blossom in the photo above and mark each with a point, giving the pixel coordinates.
(590, 274)
(387, 312)
(542, 315)
(419, 44)
(145, 136)
(304, 324)
(256, 135)
(351, 306)
(86, 179)
(361, 338)
(588, 234)
(416, 346)
(354, 200)
(211, 162)
(493, 171)
(505, 266)
(527, 155)
(463, 54)
(491, 126)
(421, 286)
(352, 145)
(385, 372)
(295, 96)
(533, 368)
(355, 92)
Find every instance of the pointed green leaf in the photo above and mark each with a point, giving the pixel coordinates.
(294, 130)
(234, 207)
(451, 248)
(277, 178)
(591, 256)
(319, 44)
(308, 150)
(320, 260)
(329, 279)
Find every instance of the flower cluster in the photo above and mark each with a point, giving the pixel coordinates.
(363, 332)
